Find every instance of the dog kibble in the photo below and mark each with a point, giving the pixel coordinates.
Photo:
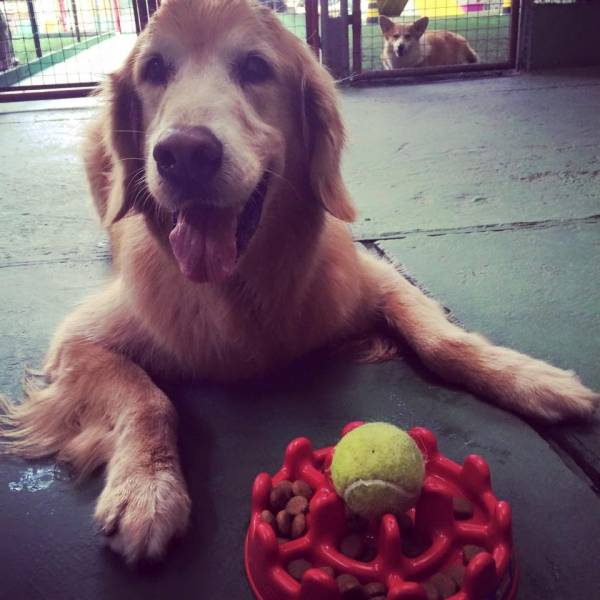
(268, 517)
(457, 573)
(470, 551)
(356, 524)
(284, 523)
(445, 586)
(301, 488)
(280, 495)
(405, 523)
(462, 508)
(350, 588)
(369, 554)
(431, 591)
(281, 540)
(375, 589)
(298, 526)
(415, 544)
(297, 568)
(297, 505)
(352, 546)
(329, 571)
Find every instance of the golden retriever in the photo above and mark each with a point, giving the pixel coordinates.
(215, 167)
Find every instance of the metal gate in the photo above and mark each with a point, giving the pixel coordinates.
(62, 48)
(356, 33)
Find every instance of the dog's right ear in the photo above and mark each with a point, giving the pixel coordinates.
(125, 137)
(385, 23)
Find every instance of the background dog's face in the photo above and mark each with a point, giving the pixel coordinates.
(222, 105)
(402, 40)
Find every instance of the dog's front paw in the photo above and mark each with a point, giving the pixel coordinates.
(555, 395)
(140, 513)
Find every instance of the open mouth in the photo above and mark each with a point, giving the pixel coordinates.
(207, 241)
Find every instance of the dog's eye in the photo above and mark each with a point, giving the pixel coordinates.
(407, 36)
(155, 71)
(255, 69)
(396, 36)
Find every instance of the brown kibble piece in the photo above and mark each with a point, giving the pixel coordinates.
(352, 546)
(329, 571)
(457, 573)
(356, 523)
(375, 589)
(369, 554)
(405, 523)
(280, 495)
(445, 586)
(301, 488)
(281, 540)
(268, 517)
(297, 568)
(470, 551)
(378, 598)
(415, 543)
(350, 588)
(298, 526)
(297, 505)
(431, 591)
(284, 523)
(462, 508)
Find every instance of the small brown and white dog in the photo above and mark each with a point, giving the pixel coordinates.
(413, 46)
(214, 165)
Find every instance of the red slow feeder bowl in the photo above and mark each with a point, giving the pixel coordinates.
(491, 575)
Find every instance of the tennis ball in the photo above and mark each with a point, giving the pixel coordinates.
(377, 468)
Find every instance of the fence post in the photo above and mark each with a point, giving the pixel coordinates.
(34, 29)
(334, 40)
(75, 20)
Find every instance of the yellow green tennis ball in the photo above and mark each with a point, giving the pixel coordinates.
(377, 468)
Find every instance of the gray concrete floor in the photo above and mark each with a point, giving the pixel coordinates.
(486, 190)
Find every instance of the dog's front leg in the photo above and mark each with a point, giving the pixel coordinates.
(511, 379)
(99, 407)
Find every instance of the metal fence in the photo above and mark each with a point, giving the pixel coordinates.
(62, 44)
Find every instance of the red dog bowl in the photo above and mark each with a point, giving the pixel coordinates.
(490, 575)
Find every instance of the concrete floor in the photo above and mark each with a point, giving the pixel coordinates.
(487, 191)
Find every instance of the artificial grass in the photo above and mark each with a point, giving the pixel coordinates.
(24, 47)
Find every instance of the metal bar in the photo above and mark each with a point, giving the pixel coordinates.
(424, 72)
(356, 37)
(22, 95)
(34, 29)
(311, 8)
(514, 31)
(76, 20)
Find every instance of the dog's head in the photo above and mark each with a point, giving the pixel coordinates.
(218, 111)
(402, 39)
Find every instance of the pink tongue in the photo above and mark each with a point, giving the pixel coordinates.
(204, 243)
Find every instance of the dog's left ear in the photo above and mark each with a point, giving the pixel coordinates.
(126, 139)
(323, 133)
(420, 26)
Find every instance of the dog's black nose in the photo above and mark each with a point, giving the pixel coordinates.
(188, 156)
(400, 49)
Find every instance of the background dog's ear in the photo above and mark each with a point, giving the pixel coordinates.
(420, 26)
(126, 139)
(323, 133)
(385, 23)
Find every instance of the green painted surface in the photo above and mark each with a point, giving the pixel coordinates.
(464, 153)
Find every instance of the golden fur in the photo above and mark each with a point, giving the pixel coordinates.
(301, 284)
